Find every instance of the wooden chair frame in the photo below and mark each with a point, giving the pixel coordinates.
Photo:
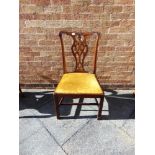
(79, 50)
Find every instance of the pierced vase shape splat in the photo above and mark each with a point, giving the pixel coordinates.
(79, 49)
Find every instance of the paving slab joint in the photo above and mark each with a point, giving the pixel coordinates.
(52, 136)
(76, 132)
(121, 128)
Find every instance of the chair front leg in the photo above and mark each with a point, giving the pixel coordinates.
(56, 101)
(100, 108)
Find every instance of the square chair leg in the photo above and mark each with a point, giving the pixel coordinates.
(100, 108)
(56, 106)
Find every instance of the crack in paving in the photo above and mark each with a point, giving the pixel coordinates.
(43, 126)
(120, 128)
(76, 132)
(51, 135)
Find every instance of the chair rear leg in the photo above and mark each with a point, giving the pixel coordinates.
(20, 91)
(100, 108)
(56, 101)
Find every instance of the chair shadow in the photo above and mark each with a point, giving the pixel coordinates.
(120, 106)
(43, 102)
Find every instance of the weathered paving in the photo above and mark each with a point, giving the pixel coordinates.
(79, 132)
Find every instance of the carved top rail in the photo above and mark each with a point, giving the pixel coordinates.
(79, 49)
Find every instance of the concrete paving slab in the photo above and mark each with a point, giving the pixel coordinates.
(101, 138)
(27, 127)
(62, 129)
(78, 132)
(74, 118)
(129, 128)
(118, 123)
(41, 143)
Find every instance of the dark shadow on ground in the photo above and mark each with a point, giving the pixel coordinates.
(120, 106)
(43, 102)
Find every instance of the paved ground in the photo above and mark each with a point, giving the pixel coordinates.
(78, 133)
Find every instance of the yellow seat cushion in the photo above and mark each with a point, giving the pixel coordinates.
(79, 83)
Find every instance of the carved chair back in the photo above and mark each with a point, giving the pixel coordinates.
(79, 49)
